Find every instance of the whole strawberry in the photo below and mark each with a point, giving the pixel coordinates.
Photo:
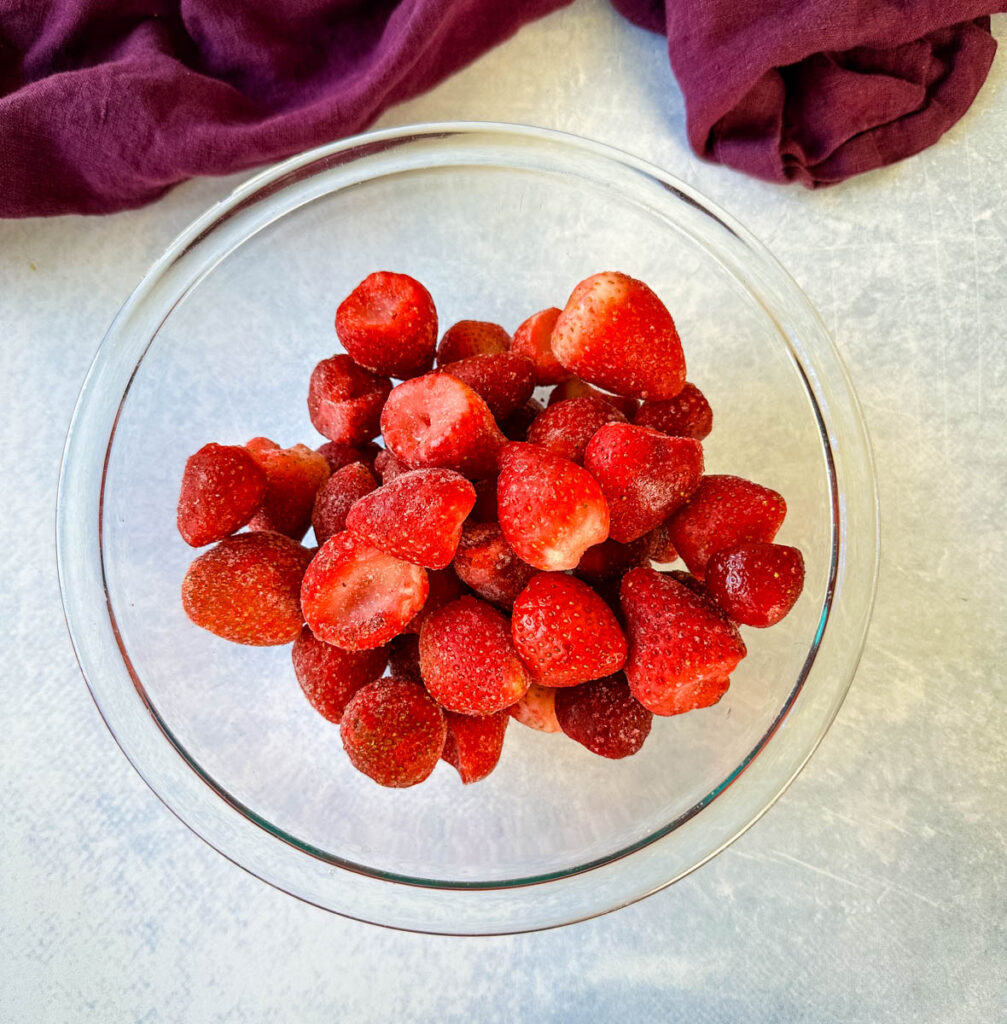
(604, 716)
(489, 565)
(330, 676)
(688, 414)
(222, 486)
(503, 380)
(471, 338)
(345, 400)
(756, 584)
(566, 427)
(337, 496)
(293, 477)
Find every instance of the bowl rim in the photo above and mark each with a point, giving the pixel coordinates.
(68, 495)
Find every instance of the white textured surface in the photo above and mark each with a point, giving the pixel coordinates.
(874, 891)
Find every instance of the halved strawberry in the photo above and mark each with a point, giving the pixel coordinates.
(471, 338)
(503, 380)
(293, 477)
(388, 324)
(437, 421)
(222, 486)
(357, 597)
(330, 676)
(644, 474)
(489, 565)
(688, 414)
(756, 584)
(551, 510)
(566, 427)
(337, 454)
(536, 709)
(616, 333)
(337, 496)
(417, 517)
(604, 716)
(574, 387)
(345, 400)
(474, 743)
(533, 341)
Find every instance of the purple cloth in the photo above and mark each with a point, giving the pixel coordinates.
(104, 104)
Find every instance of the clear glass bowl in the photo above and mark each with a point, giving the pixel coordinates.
(217, 343)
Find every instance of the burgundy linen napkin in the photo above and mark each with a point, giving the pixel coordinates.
(818, 90)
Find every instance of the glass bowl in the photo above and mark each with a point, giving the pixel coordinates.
(217, 343)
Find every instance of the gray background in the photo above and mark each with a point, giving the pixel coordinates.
(873, 891)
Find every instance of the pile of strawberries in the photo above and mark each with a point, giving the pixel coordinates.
(495, 554)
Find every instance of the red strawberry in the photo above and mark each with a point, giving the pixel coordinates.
(725, 511)
(576, 388)
(688, 414)
(659, 546)
(337, 496)
(536, 709)
(357, 597)
(474, 744)
(222, 486)
(293, 476)
(246, 589)
(393, 732)
(485, 508)
(616, 333)
(611, 560)
(533, 341)
(330, 676)
(604, 716)
(344, 400)
(551, 510)
(338, 454)
(388, 324)
(756, 584)
(444, 587)
(644, 475)
(488, 564)
(471, 338)
(417, 517)
(404, 656)
(389, 465)
(565, 633)
(437, 421)
(566, 427)
(680, 646)
(504, 381)
(468, 660)
(516, 426)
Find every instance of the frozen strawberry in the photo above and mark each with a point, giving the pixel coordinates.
(389, 465)
(338, 454)
(485, 508)
(604, 716)
(611, 560)
(566, 427)
(444, 587)
(337, 496)
(576, 388)
(344, 400)
(533, 340)
(504, 381)
(725, 511)
(564, 632)
(222, 486)
(616, 333)
(357, 597)
(393, 732)
(437, 421)
(659, 546)
(680, 645)
(468, 660)
(417, 517)
(471, 338)
(293, 477)
(330, 676)
(246, 589)
(608, 591)
(516, 426)
(644, 474)
(474, 743)
(404, 656)
(688, 414)
(388, 325)
(536, 709)
(488, 564)
(551, 510)
(756, 584)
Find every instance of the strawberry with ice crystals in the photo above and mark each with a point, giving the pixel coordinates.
(471, 338)
(246, 589)
(393, 732)
(437, 421)
(337, 496)
(330, 676)
(474, 743)
(644, 475)
(611, 560)
(489, 565)
(565, 633)
(536, 709)
(337, 454)
(293, 477)
(533, 340)
(517, 425)
(604, 716)
(616, 333)
(504, 381)
(417, 517)
(756, 584)
(681, 647)
(388, 325)
(725, 511)
(468, 659)
(388, 466)
(576, 388)
(688, 414)
(551, 510)
(444, 587)
(357, 597)
(222, 486)
(566, 427)
(345, 400)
